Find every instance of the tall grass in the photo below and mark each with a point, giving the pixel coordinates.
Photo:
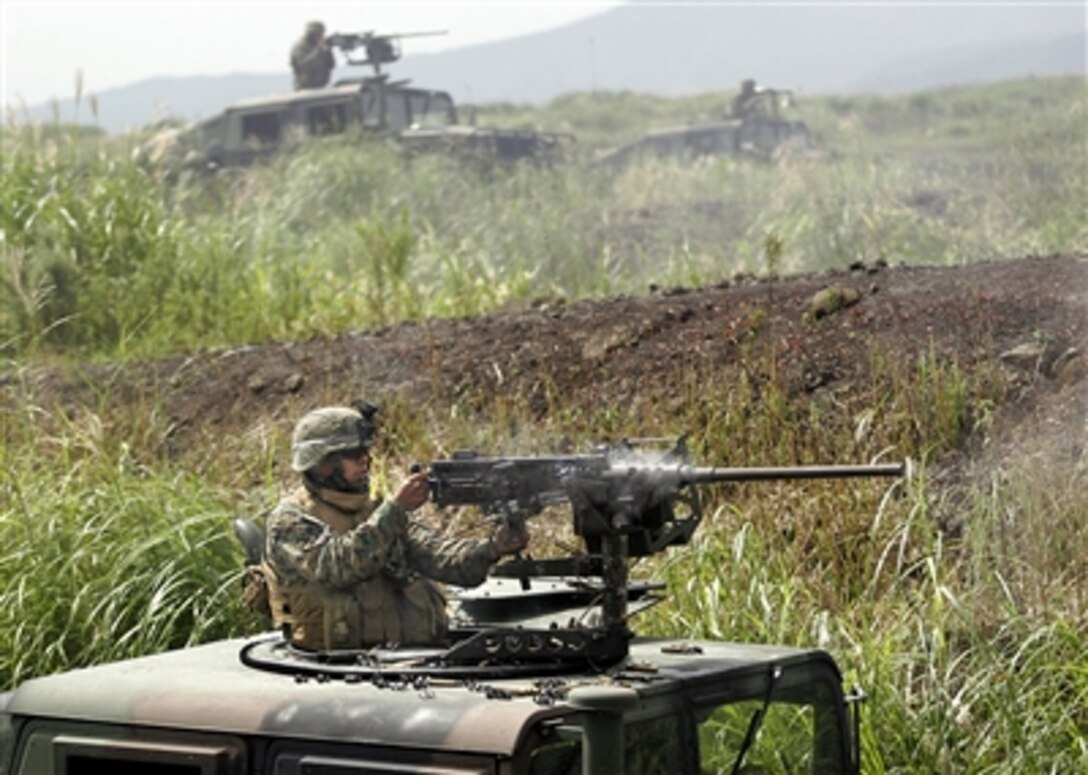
(971, 650)
(102, 256)
(110, 551)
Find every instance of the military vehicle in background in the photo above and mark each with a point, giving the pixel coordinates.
(759, 130)
(418, 119)
(541, 673)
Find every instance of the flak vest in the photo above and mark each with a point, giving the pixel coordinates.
(380, 611)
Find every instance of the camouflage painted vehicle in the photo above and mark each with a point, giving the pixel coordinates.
(671, 707)
(761, 133)
(257, 128)
(540, 674)
(419, 119)
(486, 143)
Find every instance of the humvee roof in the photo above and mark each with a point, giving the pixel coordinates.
(208, 688)
(202, 711)
(304, 96)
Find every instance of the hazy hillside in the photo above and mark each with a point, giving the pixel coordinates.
(676, 49)
(672, 50)
(983, 64)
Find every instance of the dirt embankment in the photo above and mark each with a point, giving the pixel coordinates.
(1031, 314)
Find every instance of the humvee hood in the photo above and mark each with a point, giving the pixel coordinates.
(208, 688)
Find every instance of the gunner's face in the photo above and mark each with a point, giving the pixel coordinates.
(356, 464)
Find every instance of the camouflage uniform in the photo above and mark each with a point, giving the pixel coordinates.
(746, 102)
(346, 572)
(311, 63)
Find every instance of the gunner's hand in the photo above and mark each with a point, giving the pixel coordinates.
(509, 539)
(413, 492)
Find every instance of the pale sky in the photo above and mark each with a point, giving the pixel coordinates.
(118, 42)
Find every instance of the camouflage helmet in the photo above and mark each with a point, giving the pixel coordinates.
(331, 429)
(315, 28)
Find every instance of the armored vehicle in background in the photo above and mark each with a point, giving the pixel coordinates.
(540, 673)
(418, 119)
(761, 132)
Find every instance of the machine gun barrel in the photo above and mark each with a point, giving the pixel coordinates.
(693, 475)
(426, 33)
(379, 49)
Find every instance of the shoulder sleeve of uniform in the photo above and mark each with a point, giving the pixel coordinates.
(303, 549)
(289, 520)
(293, 538)
(461, 561)
(373, 545)
(389, 519)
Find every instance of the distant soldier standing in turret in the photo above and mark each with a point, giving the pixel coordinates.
(311, 59)
(747, 100)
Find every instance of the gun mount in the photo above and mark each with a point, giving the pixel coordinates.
(625, 502)
(378, 49)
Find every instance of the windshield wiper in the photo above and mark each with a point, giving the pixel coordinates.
(757, 719)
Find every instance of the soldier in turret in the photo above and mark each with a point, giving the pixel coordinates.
(345, 571)
(753, 100)
(312, 61)
(746, 102)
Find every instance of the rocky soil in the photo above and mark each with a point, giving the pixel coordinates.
(1030, 315)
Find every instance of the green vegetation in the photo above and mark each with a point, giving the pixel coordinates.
(970, 647)
(104, 257)
(969, 642)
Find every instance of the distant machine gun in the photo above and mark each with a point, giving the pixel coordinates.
(626, 502)
(378, 49)
(775, 99)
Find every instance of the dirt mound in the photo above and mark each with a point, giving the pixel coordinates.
(1030, 313)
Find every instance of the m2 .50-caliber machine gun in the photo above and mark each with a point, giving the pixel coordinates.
(626, 503)
(377, 49)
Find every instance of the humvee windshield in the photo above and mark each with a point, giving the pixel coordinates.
(411, 107)
(261, 128)
(327, 119)
(796, 732)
